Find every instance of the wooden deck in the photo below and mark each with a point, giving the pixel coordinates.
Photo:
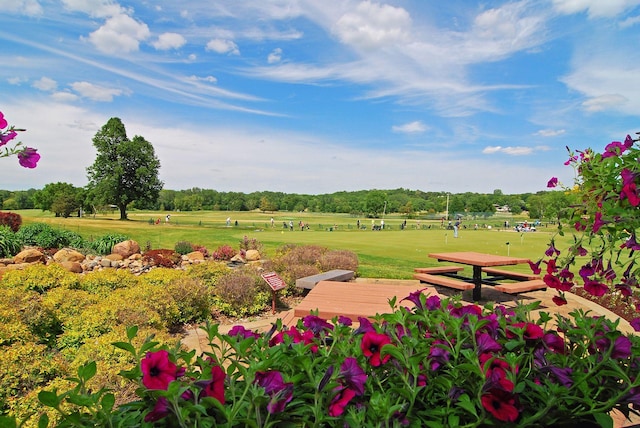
(352, 299)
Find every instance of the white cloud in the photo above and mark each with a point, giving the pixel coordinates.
(120, 33)
(595, 8)
(45, 84)
(223, 46)
(604, 102)
(168, 41)
(410, 128)
(630, 22)
(95, 92)
(16, 80)
(95, 8)
(550, 132)
(64, 97)
(25, 7)
(514, 151)
(275, 56)
(209, 79)
(373, 25)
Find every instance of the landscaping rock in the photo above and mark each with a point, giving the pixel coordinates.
(30, 255)
(126, 248)
(105, 263)
(71, 266)
(194, 256)
(68, 255)
(115, 257)
(252, 255)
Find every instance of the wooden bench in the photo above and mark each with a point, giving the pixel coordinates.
(521, 287)
(439, 269)
(509, 274)
(354, 299)
(309, 282)
(444, 281)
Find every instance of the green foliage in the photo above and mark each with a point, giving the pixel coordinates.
(193, 298)
(241, 293)
(45, 236)
(124, 170)
(209, 272)
(60, 198)
(103, 282)
(9, 243)
(183, 247)
(40, 278)
(250, 244)
(104, 244)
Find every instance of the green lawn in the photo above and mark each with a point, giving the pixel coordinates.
(390, 253)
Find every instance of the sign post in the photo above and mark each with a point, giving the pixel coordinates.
(275, 283)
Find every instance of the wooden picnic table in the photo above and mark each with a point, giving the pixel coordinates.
(477, 261)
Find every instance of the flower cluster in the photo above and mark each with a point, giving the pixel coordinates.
(435, 363)
(603, 255)
(28, 157)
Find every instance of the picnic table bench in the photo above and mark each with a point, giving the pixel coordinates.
(509, 274)
(443, 280)
(522, 286)
(309, 282)
(439, 269)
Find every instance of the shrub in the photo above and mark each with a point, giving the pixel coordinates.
(241, 293)
(40, 278)
(9, 242)
(11, 220)
(193, 298)
(161, 276)
(209, 273)
(339, 259)
(103, 282)
(104, 244)
(202, 249)
(45, 236)
(42, 321)
(183, 247)
(162, 258)
(223, 253)
(12, 328)
(250, 244)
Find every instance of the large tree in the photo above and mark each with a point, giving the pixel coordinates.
(60, 198)
(124, 170)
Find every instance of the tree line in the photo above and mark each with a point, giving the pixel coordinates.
(124, 176)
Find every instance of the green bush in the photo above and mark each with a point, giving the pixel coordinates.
(45, 236)
(40, 278)
(194, 300)
(161, 276)
(241, 293)
(104, 244)
(183, 247)
(209, 272)
(103, 282)
(9, 243)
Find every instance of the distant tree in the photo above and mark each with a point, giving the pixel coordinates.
(124, 170)
(375, 202)
(60, 198)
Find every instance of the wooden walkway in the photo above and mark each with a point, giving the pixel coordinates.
(352, 299)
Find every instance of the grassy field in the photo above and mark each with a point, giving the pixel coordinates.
(390, 253)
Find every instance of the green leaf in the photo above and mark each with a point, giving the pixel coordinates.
(7, 422)
(81, 400)
(465, 402)
(147, 346)
(87, 371)
(43, 422)
(603, 419)
(132, 332)
(125, 346)
(49, 398)
(108, 401)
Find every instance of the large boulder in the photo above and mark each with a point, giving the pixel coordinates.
(71, 266)
(252, 255)
(126, 248)
(68, 255)
(194, 256)
(30, 255)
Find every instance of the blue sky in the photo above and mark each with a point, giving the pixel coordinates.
(319, 96)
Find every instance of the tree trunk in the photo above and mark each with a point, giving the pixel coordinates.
(123, 211)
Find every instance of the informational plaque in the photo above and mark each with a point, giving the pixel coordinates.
(275, 282)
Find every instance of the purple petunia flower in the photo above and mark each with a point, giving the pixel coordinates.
(274, 386)
(316, 324)
(629, 187)
(562, 375)
(635, 323)
(29, 157)
(353, 376)
(552, 250)
(598, 222)
(344, 320)
(487, 344)
(631, 243)
(553, 182)
(621, 348)
(241, 331)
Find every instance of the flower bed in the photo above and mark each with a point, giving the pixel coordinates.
(434, 363)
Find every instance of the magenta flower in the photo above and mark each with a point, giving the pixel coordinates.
(28, 158)
(621, 348)
(562, 375)
(614, 148)
(6, 137)
(433, 302)
(487, 344)
(160, 410)
(553, 182)
(554, 342)
(365, 326)
(635, 323)
(598, 222)
(559, 300)
(629, 188)
(3, 121)
(535, 267)
(414, 298)
(316, 324)
(340, 401)
(595, 288)
(274, 386)
(215, 386)
(353, 377)
(242, 332)
(552, 250)
(158, 371)
(631, 243)
(371, 346)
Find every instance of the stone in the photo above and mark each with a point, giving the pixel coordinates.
(195, 255)
(237, 259)
(115, 257)
(105, 262)
(71, 266)
(252, 255)
(126, 248)
(30, 255)
(68, 255)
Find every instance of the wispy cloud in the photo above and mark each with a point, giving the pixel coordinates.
(414, 127)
